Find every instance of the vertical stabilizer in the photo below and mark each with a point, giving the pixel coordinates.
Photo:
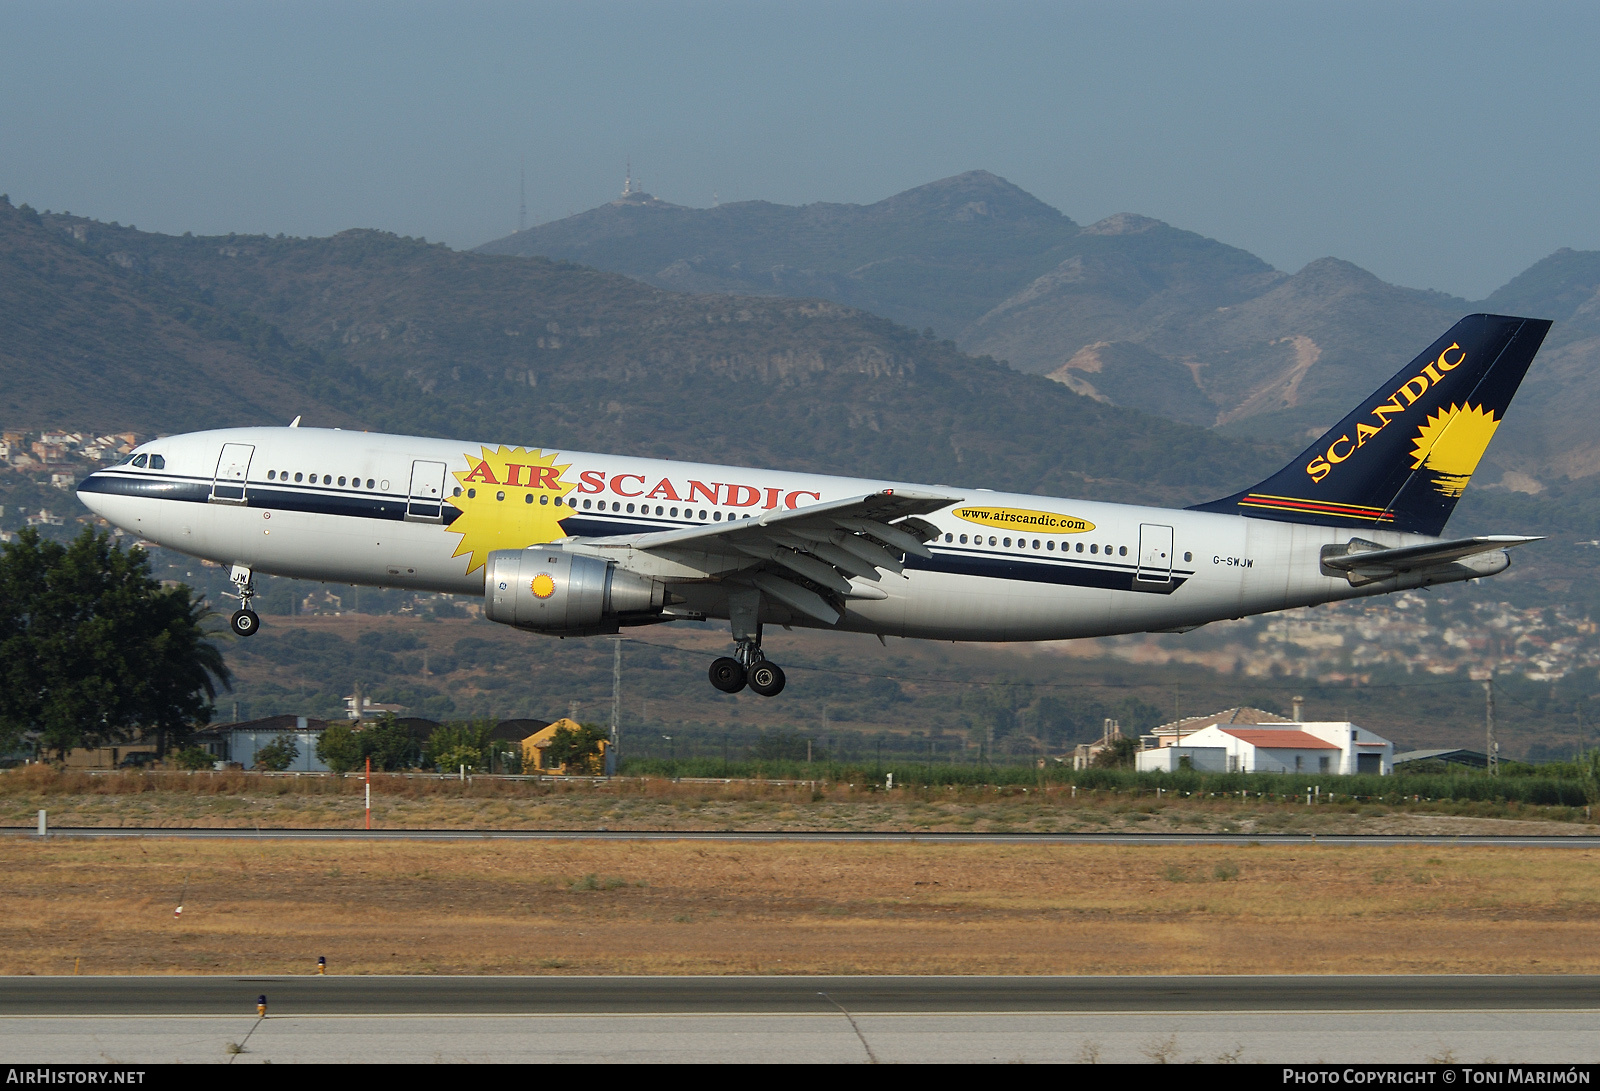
(1404, 457)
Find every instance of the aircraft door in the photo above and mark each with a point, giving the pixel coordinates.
(423, 505)
(1155, 553)
(233, 470)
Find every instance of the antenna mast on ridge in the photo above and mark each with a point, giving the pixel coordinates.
(522, 205)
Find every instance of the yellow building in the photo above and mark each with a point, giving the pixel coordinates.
(533, 752)
(110, 757)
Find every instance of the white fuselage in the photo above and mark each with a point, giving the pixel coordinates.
(372, 517)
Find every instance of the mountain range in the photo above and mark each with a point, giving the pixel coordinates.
(103, 326)
(1129, 311)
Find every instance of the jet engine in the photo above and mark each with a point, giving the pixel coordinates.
(550, 590)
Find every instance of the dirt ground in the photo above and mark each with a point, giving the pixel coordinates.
(99, 907)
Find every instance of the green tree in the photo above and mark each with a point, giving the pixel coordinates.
(278, 754)
(579, 751)
(453, 745)
(194, 757)
(389, 744)
(1121, 754)
(508, 758)
(339, 748)
(92, 648)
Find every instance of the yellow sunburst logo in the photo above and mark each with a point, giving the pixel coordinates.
(510, 498)
(1451, 442)
(543, 585)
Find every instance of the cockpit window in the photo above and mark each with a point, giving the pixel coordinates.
(141, 460)
(158, 462)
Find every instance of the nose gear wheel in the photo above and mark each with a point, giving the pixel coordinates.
(245, 621)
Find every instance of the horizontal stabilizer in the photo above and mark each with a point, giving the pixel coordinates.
(1362, 561)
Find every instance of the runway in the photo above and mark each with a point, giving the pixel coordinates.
(1574, 841)
(554, 995)
(802, 1019)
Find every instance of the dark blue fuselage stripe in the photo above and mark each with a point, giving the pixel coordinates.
(161, 488)
(257, 495)
(1031, 571)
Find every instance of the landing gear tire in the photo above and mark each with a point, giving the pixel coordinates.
(244, 622)
(727, 674)
(767, 679)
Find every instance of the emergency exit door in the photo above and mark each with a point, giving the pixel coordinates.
(233, 470)
(1155, 553)
(424, 504)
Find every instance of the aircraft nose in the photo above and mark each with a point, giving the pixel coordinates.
(91, 489)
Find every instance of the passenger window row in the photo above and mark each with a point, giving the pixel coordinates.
(327, 479)
(1048, 545)
(617, 506)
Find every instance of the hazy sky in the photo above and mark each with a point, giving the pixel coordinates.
(1441, 146)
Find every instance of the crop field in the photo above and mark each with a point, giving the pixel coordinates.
(99, 907)
(248, 800)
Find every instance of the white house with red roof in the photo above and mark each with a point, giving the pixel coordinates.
(1329, 747)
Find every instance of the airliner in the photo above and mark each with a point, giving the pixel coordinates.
(568, 543)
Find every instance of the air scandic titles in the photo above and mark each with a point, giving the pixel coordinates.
(575, 544)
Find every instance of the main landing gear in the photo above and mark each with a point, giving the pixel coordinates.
(747, 667)
(244, 621)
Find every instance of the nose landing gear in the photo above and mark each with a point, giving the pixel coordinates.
(245, 621)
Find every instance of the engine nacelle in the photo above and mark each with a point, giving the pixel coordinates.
(550, 590)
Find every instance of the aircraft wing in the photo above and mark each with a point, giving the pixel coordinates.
(803, 557)
(1362, 561)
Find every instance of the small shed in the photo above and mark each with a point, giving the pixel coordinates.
(1170, 759)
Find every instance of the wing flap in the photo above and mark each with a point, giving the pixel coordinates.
(796, 597)
(809, 567)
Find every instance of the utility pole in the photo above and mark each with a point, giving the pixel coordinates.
(1491, 748)
(522, 206)
(616, 707)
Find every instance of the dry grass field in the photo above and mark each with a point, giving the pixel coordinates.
(685, 907)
